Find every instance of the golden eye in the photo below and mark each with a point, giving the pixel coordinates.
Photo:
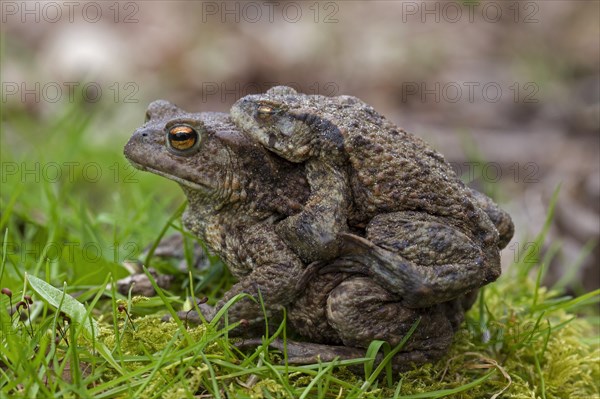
(265, 111)
(182, 137)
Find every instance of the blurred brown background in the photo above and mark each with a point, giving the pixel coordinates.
(518, 81)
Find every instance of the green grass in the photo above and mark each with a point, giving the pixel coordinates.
(521, 340)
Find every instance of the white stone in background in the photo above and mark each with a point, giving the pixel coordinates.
(86, 52)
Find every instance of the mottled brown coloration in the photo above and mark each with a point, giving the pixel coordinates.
(409, 240)
(360, 166)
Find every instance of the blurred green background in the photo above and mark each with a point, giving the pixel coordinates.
(512, 86)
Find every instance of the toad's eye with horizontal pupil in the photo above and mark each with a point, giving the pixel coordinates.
(265, 111)
(182, 137)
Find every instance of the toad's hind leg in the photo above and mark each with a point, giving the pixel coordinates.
(422, 258)
(361, 311)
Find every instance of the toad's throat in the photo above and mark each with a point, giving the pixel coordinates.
(187, 183)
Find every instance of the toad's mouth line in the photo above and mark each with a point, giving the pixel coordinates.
(192, 185)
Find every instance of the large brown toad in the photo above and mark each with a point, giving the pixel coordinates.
(236, 192)
(364, 171)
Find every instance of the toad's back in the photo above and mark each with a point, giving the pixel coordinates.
(392, 170)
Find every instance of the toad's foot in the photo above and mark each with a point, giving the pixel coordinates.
(310, 353)
(310, 236)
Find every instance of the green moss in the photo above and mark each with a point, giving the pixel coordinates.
(192, 383)
(151, 335)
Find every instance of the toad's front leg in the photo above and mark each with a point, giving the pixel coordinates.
(313, 234)
(270, 285)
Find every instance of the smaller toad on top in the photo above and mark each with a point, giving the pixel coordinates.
(363, 170)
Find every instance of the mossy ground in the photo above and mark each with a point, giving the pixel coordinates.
(520, 340)
(525, 356)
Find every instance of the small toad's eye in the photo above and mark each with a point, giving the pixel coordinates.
(182, 137)
(264, 112)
